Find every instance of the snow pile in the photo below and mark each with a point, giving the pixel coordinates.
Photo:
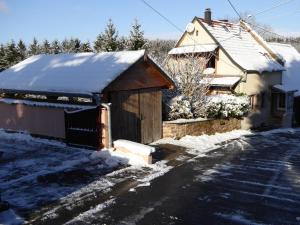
(291, 77)
(134, 147)
(80, 73)
(227, 106)
(199, 145)
(9, 217)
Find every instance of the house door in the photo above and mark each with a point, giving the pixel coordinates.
(136, 115)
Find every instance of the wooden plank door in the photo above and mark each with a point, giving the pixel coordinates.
(151, 115)
(125, 115)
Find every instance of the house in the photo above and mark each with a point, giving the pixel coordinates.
(242, 62)
(290, 80)
(85, 98)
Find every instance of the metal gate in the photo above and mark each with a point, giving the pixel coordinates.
(83, 127)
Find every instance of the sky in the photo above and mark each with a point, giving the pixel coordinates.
(85, 19)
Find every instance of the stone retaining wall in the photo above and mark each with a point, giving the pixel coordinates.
(179, 129)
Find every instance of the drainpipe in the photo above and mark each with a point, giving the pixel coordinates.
(107, 106)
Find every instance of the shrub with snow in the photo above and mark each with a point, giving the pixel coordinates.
(227, 106)
(179, 107)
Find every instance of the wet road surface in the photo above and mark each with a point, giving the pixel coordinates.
(253, 180)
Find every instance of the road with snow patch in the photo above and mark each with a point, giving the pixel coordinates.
(252, 180)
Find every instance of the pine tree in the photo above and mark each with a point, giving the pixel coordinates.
(34, 48)
(66, 46)
(123, 43)
(55, 47)
(98, 44)
(22, 51)
(46, 48)
(75, 45)
(3, 62)
(86, 47)
(107, 41)
(136, 38)
(11, 56)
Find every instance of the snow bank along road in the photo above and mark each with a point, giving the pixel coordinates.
(250, 180)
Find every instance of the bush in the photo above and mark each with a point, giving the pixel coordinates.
(227, 106)
(179, 107)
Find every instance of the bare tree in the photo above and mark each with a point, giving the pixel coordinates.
(192, 79)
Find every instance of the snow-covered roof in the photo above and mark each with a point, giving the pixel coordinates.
(242, 47)
(283, 88)
(225, 81)
(291, 77)
(228, 81)
(193, 49)
(80, 73)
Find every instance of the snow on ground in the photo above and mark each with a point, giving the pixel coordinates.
(35, 173)
(199, 145)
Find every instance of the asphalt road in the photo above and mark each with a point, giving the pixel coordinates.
(253, 180)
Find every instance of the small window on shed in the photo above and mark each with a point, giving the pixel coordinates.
(197, 32)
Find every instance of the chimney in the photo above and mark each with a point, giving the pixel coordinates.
(207, 16)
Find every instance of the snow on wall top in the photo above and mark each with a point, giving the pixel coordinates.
(193, 49)
(291, 77)
(242, 47)
(80, 73)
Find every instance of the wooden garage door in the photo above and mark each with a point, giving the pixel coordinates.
(151, 115)
(136, 115)
(125, 115)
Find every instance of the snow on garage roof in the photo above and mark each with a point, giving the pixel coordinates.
(241, 46)
(193, 49)
(291, 77)
(80, 73)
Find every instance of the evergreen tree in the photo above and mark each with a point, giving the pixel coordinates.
(22, 51)
(75, 45)
(107, 41)
(136, 39)
(123, 44)
(34, 48)
(3, 62)
(11, 55)
(46, 48)
(66, 46)
(55, 47)
(86, 47)
(98, 44)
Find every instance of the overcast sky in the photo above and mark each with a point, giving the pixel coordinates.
(84, 19)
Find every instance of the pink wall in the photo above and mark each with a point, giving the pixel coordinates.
(35, 120)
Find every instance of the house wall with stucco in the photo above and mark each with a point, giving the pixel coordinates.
(253, 83)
